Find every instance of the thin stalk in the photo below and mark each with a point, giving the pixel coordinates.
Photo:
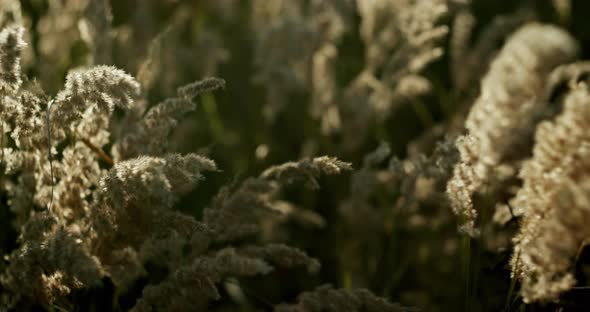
(2, 142)
(467, 269)
(508, 304)
(104, 156)
(48, 122)
(513, 281)
(2, 145)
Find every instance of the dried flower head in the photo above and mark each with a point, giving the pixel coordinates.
(11, 46)
(306, 170)
(554, 202)
(104, 86)
(149, 134)
(500, 121)
(326, 298)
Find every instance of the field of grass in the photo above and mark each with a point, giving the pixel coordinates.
(294, 155)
